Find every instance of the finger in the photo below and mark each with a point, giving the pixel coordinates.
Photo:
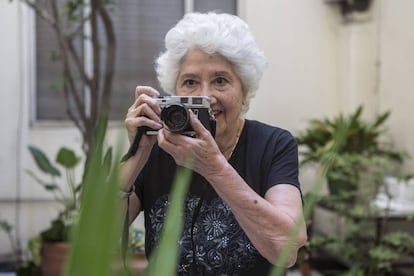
(141, 116)
(133, 123)
(174, 138)
(144, 110)
(147, 94)
(165, 143)
(150, 101)
(180, 152)
(148, 90)
(161, 138)
(198, 127)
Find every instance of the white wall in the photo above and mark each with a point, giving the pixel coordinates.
(302, 42)
(300, 39)
(12, 96)
(13, 111)
(396, 89)
(321, 64)
(318, 65)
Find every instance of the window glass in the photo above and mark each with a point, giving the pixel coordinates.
(140, 27)
(50, 101)
(226, 6)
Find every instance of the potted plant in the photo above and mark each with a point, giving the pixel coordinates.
(355, 150)
(365, 240)
(360, 252)
(54, 239)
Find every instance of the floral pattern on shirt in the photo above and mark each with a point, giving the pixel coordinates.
(221, 246)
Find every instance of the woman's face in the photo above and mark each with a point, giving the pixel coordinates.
(203, 74)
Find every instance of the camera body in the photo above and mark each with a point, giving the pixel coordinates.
(175, 114)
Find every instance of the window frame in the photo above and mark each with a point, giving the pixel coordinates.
(31, 73)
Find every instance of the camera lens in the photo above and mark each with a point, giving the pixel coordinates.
(176, 117)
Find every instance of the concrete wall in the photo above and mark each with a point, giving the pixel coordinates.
(301, 40)
(396, 81)
(318, 65)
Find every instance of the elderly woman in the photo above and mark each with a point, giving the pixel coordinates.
(244, 198)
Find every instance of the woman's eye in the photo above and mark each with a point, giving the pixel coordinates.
(189, 82)
(221, 81)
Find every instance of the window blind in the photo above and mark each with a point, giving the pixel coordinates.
(140, 27)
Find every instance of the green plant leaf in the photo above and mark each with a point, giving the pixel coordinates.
(5, 226)
(42, 161)
(381, 119)
(96, 234)
(67, 158)
(51, 187)
(34, 245)
(57, 232)
(164, 260)
(108, 159)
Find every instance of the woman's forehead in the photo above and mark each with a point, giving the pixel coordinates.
(196, 61)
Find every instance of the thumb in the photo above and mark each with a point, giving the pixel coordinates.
(196, 124)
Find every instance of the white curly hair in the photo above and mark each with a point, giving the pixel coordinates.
(213, 33)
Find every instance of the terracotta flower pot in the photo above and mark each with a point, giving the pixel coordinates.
(53, 258)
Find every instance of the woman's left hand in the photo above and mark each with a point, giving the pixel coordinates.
(200, 153)
(268, 221)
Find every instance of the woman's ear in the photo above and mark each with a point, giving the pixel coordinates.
(244, 100)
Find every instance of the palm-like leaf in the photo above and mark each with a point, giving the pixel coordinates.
(43, 162)
(349, 134)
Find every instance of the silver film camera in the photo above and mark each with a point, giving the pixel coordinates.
(175, 113)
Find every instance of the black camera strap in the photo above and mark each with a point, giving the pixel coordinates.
(134, 146)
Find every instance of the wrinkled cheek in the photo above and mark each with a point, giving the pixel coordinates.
(220, 125)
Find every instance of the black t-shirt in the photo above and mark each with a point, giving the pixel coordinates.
(264, 156)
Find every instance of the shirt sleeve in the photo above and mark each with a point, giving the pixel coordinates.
(284, 164)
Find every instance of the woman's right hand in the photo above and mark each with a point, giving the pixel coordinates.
(145, 111)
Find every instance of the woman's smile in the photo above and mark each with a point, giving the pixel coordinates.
(216, 113)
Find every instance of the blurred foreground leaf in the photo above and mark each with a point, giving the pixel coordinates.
(165, 257)
(96, 235)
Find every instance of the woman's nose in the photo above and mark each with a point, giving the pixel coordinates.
(207, 91)
(204, 90)
(213, 100)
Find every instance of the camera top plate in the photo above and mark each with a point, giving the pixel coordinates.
(193, 101)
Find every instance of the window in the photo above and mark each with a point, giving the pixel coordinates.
(140, 27)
